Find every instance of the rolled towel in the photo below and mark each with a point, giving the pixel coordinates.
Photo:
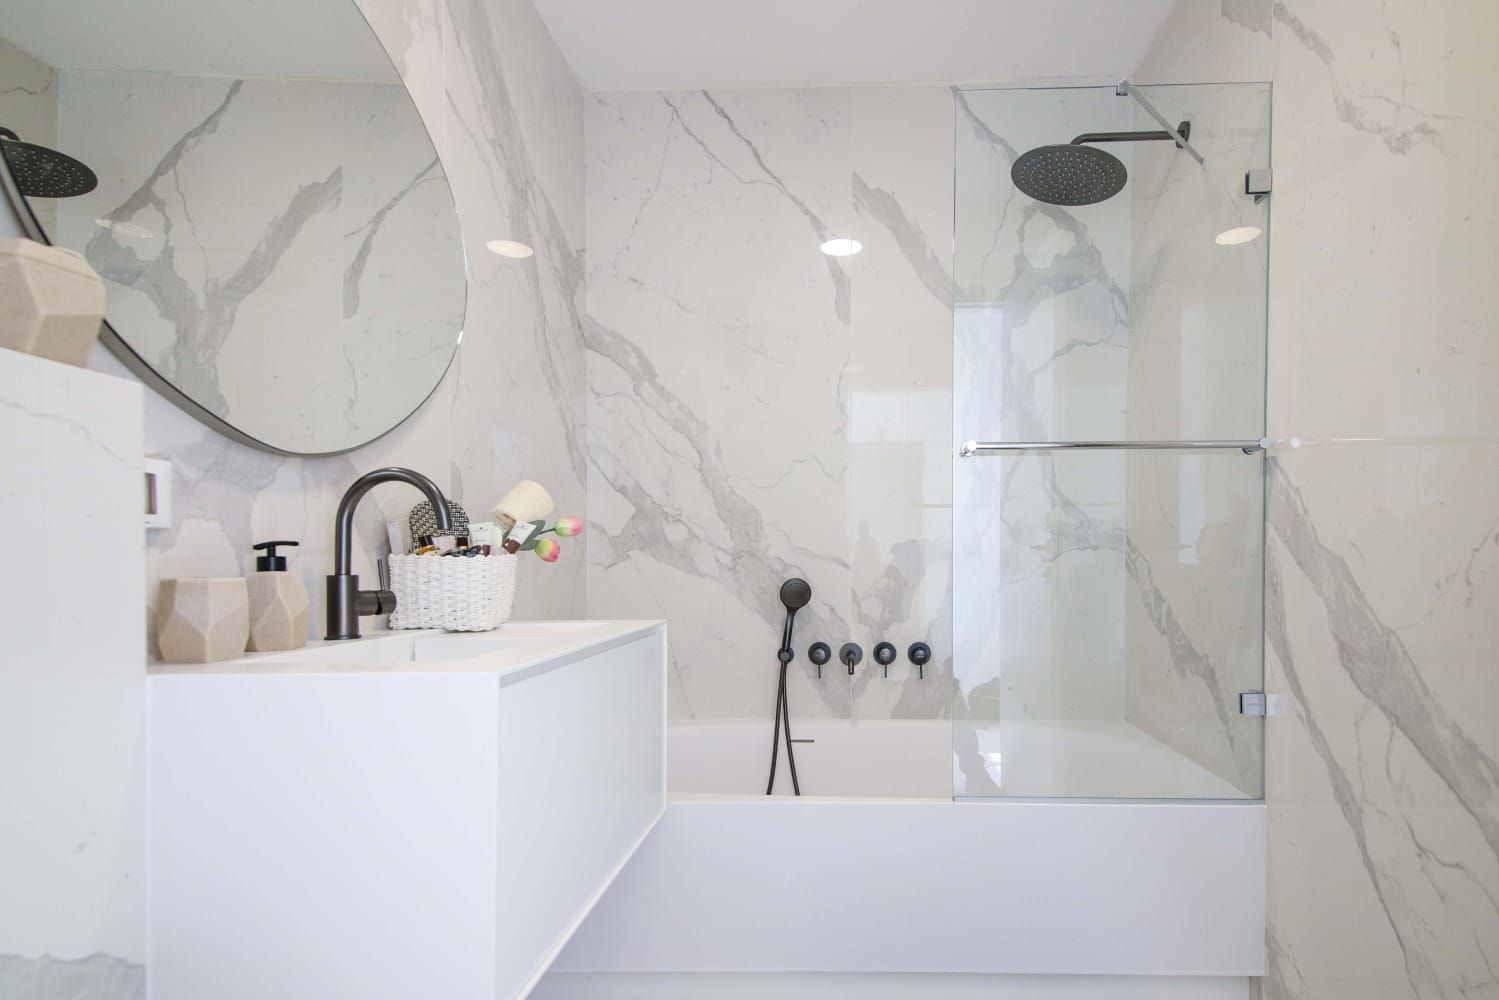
(527, 501)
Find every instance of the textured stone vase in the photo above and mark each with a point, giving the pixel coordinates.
(200, 620)
(278, 611)
(51, 302)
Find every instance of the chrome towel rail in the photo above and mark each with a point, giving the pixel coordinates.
(972, 449)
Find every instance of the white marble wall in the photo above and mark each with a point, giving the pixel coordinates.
(1383, 779)
(759, 410)
(506, 114)
(72, 686)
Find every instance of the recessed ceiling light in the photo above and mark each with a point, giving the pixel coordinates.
(842, 247)
(1239, 234)
(509, 248)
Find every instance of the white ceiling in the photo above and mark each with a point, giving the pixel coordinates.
(682, 44)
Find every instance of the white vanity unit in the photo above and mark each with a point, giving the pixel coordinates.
(411, 814)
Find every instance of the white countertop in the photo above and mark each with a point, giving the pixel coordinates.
(513, 651)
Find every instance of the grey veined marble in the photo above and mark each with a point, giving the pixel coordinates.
(758, 409)
(94, 977)
(284, 252)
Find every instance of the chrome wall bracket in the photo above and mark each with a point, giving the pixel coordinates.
(1127, 89)
(1259, 182)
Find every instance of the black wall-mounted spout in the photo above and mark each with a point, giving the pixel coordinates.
(346, 602)
(850, 654)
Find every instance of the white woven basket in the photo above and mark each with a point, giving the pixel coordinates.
(457, 593)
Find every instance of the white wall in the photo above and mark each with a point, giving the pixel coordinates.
(1383, 780)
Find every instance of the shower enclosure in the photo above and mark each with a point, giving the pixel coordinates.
(1109, 410)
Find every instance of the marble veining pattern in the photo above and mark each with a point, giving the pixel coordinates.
(217, 293)
(1383, 568)
(705, 290)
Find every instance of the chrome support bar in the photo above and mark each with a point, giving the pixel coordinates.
(1126, 88)
(971, 449)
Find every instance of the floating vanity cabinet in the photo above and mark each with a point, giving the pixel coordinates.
(411, 814)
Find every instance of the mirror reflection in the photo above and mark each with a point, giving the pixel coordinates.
(272, 222)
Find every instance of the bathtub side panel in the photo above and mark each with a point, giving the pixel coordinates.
(867, 886)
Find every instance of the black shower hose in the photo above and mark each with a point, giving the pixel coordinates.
(783, 712)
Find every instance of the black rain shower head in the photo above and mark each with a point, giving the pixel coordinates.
(40, 172)
(1076, 173)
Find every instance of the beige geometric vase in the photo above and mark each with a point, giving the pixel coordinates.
(53, 300)
(202, 619)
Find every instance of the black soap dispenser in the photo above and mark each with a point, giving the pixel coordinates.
(278, 602)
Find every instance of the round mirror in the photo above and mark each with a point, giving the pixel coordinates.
(277, 237)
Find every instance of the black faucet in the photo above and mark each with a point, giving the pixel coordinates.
(346, 602)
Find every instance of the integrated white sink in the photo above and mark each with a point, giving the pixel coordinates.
(511, 644)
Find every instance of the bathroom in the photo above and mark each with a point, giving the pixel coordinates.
(1207, 708)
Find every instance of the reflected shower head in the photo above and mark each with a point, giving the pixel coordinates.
(40, 172)
(796, 593)
(1075, 173)
(1069, 174)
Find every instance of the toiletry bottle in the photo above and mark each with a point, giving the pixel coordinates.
(278, 603)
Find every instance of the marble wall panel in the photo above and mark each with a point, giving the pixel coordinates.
(1382, 581)
(760, 410)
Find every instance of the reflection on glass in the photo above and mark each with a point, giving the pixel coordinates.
(1108, 604)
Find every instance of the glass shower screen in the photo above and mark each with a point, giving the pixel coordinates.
(1109, 401)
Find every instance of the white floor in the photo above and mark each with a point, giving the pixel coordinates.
(889, 986)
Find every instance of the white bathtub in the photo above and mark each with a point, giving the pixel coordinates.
(909, 759)
(913, 759)
(876, 869)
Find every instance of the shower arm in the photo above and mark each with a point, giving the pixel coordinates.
(1127, 89)
(1182, 132)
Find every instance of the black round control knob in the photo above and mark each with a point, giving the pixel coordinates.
(884, 654)
(819, 653)
(919, 654)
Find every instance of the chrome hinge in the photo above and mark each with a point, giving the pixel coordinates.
(1252, 703)
(1259, 182)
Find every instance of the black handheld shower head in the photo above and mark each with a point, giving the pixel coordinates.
(795, 593)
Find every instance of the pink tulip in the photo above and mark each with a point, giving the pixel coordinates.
(547, 550)
(567, 527)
